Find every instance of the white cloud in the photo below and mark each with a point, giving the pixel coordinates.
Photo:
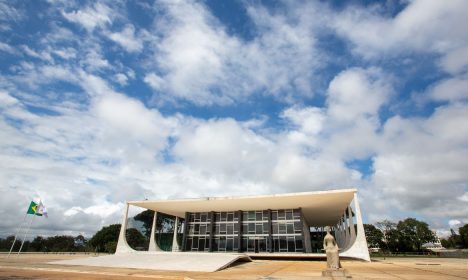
(456, 61)
(7, 48)
(127, 39)
(454, 223)
(154, 81)
(200, 62)
(121, 78)
(98, 15)
(356, 93)
(422, 25)
(451, 89)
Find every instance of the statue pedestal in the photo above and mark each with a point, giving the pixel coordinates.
(340, 272)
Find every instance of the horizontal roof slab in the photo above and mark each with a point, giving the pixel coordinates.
(319, 208)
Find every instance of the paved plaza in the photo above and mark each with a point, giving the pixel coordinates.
(37, 266)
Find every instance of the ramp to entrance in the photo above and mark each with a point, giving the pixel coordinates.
(178, 261)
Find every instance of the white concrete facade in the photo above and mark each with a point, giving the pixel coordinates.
(337, 208)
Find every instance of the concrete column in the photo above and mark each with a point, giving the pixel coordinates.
(352, 230)
(153, 245)
(175, 246)
(239, 234)
(122, 245)
(346, 231)
(185, 235)
(343, 233)
(359, 247)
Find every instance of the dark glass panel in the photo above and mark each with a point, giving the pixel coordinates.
(217, 216)
(299, 246)
(291, 244)
(251, 228)
(245, 215)
(261, 245)
(236, 243)
(236, 227)
(203, 217)
(202, 229)
(244, 244)
(201, 244)
(283, 244)
(276, 245)
(188, 245)
(245, 228)
(230, 217)
(274, 215)
(265, 215)
(195, 243)
(290, 228)
(258, 216)
(251, 215)
(258, 228)
(251, 246)
(229, 244)
(215, 244)
(275, 228)
(289, 215)
(222, 228)
(230, 229)
(223, 216)
(222, 243)
(281, 215)
(298, 227)
(282, 228)
(197, 229)
(297, 213)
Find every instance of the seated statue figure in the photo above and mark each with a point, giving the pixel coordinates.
(332, 250)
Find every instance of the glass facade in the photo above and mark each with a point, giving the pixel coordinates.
(245, 231)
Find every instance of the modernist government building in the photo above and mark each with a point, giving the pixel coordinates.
(288, 225)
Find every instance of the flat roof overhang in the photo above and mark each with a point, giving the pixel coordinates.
(319, 208)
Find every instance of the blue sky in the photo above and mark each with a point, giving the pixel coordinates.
(106, 101)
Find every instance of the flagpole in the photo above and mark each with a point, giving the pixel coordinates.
(24, 238)
(16, 235)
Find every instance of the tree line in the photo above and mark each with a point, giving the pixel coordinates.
(409, 235)
(104, 240)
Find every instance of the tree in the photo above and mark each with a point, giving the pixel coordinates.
(390, 236)
(373, 235)
(136, 240)
(463, 231)
(39, 244)
(413, 234)
(454, 240)
(104, 236)
(60, 243)
(147, 218)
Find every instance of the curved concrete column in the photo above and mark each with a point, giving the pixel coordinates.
(347, 243)
(175, 245)
(122, 245)
(359, 248)
(352, 230)
(153, 245)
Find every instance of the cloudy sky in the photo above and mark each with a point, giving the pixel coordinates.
(112, 101)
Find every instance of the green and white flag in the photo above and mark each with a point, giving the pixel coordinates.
(37, 208)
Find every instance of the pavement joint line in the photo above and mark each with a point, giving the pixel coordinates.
(432, 271)
(91, 272)
(268, 275)
(388, 273)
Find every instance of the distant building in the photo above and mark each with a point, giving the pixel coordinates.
(269, 225)
(434, 246)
